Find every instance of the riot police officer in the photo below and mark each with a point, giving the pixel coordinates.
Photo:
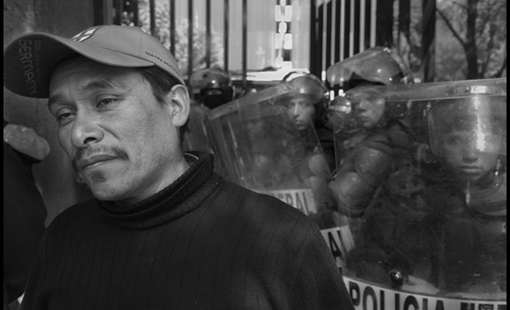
(212, 87)
(381, 144)
(307, 106)
(439, 227)
(466, 151)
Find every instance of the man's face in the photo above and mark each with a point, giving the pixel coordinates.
(122, 142)
(467, 159)
(302, 112)
(369, 111)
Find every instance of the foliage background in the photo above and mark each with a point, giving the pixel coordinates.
(162, 31)
(470, 39)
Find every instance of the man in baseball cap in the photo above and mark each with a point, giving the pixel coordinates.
(30, 60)
(164, 230)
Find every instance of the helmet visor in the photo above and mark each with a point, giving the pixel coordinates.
(469, 125)
(374, 65)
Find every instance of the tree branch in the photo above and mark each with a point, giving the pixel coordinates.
(460, 4)
(503, 67)
(450, 26)
(490, 46)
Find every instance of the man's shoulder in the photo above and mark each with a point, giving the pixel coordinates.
(252, 195)
(270, 206)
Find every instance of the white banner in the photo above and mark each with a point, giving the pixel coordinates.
(301, 199)
(340, 242)
(371, 297)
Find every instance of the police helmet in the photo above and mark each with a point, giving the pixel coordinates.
(309, 86)
(212, 87)
(376, 65)
(479, 112)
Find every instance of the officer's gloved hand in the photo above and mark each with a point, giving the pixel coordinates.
(26, 141)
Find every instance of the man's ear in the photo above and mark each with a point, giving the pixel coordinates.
(179, 99)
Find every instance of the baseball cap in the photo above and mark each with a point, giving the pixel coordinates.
(29, 61)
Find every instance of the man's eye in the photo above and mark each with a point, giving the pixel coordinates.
(63, 117)
(104, 102)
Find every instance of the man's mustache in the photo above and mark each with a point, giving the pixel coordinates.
(96, 150)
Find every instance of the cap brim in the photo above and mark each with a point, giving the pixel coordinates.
(30, 60)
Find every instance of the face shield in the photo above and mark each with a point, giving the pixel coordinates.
(307, 84)
(474, 124)
(462, 124)
(376, 65)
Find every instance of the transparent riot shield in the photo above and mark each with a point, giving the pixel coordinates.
(264, 151)
(432, 235)
(195, 136)
(346, 131)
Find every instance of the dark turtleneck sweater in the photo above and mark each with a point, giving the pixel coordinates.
(201, 243)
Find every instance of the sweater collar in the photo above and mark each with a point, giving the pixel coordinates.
(171, 202)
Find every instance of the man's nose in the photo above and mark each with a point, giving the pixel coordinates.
(470, 154)
(295, 110)
(86, 131)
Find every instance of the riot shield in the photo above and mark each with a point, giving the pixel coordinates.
(433, 233)
(346, 130)
(264, 151)
(196, 134)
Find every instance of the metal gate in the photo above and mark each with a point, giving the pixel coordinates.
(334, 30)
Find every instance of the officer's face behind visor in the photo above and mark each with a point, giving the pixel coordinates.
(469, 134)
(213, 98)
(368, 105)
